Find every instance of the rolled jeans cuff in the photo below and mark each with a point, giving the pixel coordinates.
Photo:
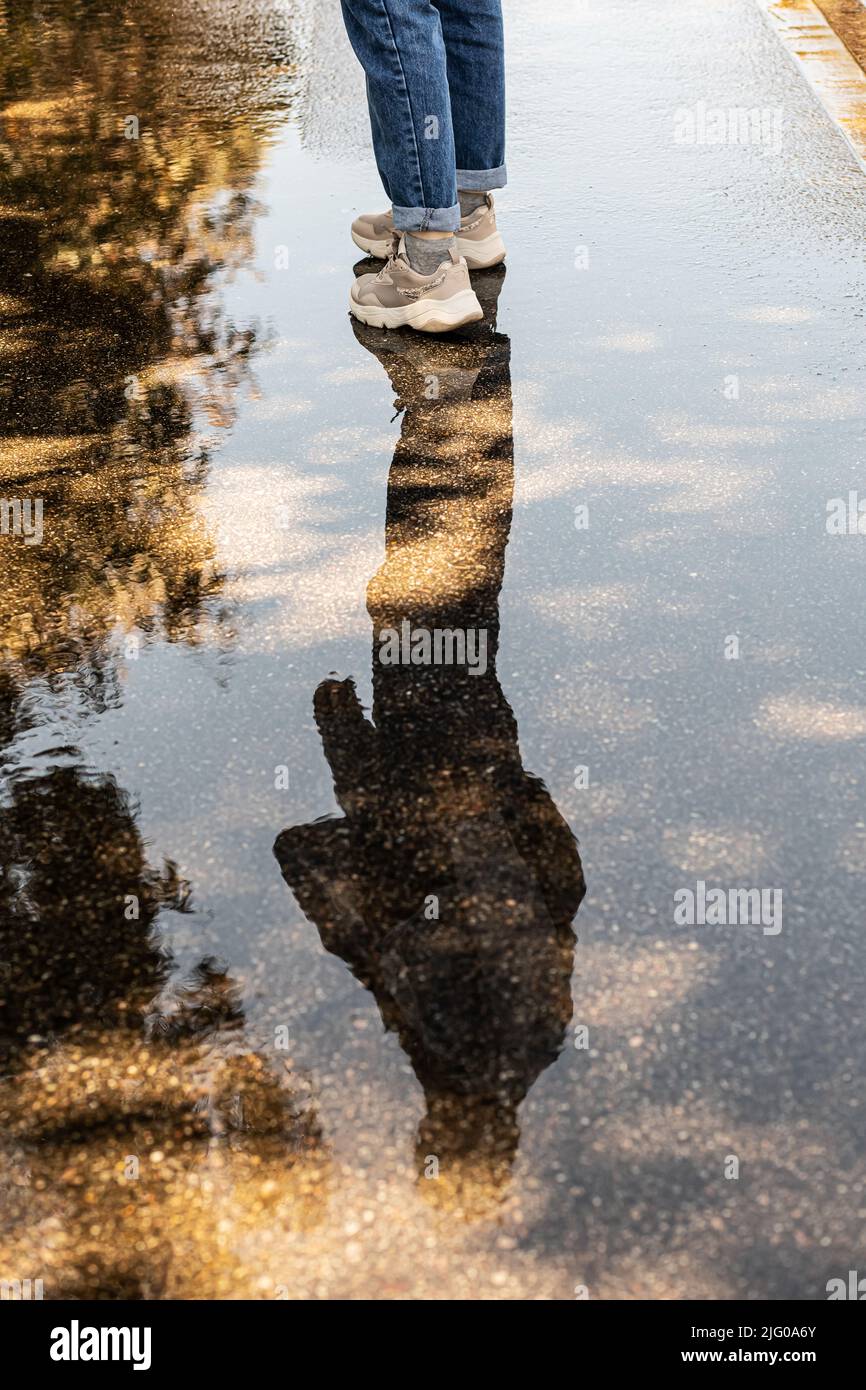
(481, 180)
(427, 219)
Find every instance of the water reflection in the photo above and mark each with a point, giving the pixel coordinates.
(450, 882)
(78, 905)
(128, 161)
(132, 1104)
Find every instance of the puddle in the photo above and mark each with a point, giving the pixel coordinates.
(339, 957)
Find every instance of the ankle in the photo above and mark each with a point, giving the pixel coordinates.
(425, 255)
(470, 202)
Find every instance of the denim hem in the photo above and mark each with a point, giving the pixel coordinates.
(427, 219)
(481, 180)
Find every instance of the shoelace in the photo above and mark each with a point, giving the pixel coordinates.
(391, 264)
(392, 257)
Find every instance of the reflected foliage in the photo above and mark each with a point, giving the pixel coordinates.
(127, 1098)
(115, 356)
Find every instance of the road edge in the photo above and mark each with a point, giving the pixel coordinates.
(829, 68)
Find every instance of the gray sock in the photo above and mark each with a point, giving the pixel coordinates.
(471, 202)
(427, 256)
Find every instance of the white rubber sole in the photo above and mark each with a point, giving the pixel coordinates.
(479, 255)
(380, 249)
(424, 315)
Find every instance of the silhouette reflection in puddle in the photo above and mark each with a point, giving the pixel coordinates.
(450, 882)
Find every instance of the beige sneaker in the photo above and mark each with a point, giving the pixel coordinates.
(399, 297)
(477, 240)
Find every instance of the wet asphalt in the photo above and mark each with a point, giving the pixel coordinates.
(324, 977)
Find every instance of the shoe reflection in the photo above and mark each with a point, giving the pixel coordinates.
(450, 882)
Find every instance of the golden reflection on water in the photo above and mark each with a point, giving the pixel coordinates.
(114, 356)
(114, 352)
(149, 1150)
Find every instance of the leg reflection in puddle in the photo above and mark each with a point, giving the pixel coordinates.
(450, 881)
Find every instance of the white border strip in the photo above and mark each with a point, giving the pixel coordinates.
(836, 79)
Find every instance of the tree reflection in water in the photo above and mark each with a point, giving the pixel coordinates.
(132, 1106)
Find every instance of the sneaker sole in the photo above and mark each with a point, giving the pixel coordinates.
(482, 255)
(426, 316)
(479, 255)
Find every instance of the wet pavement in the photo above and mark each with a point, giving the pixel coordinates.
(324, 977)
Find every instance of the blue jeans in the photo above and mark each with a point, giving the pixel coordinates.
(436, 90)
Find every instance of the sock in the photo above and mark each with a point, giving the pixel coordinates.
(427, 256)
(471, 202)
